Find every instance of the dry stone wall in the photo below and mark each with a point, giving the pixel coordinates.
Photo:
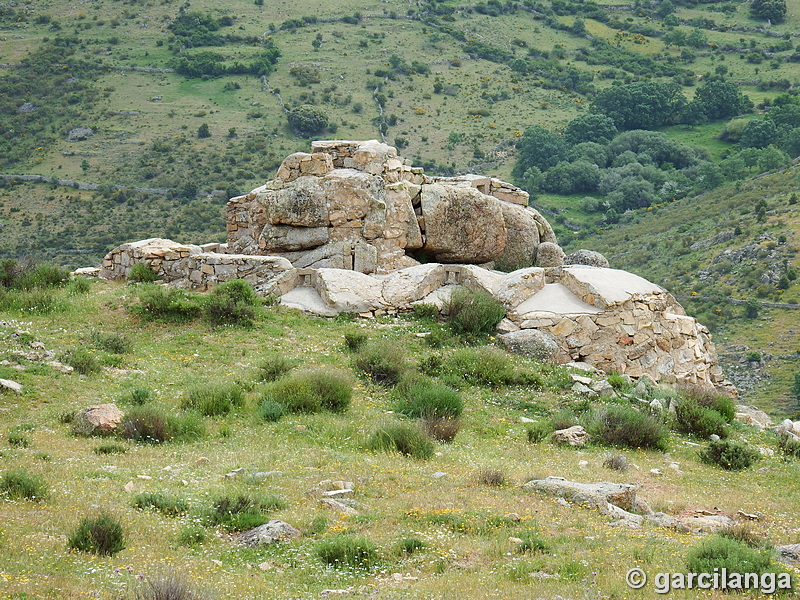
(338, 228)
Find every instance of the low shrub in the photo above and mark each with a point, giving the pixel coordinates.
(168, 587)
(405, 438)
(619, 382)
(19, 484)
(731, 456)
(532, 543)
(616, 462)
(481, 366)
(789, 444)
(192, 536)
(492, 478)
(79, 286)
(348, 551)
(425, 311)
(39, 301)
(110, 448)
(168, 305)
(142, 273)
(692, 418)
(242, 512)
(271, 410)
(423, 398)
(213, 400)
(741, 532)
(115, 343)
(473, 312)
(40, 276)
(232, 303)
(563, 419)
(17, 438)
(275, 366)
(312, 391)
(539, 431)
(383, 363)
(708, 397)
(627, 427)
(101, 534)
(83, 361)
(170, 506)
(150, 424)
(441, 429)
(137, 396)
(408, 546)
(354, 340)
(718, 552)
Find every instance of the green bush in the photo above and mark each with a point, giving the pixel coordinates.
(423, 398)
(708, 397)
(83, 361)
(142, 273)
(539, 431)
(19, 484)
(271, 410)
(693, 418)
(137, 396)
(425, 311)
(17, 438)
(382, 362)
(717, 552)
(232, 303)
(192, 536)
(532, 543)
(214, 399)
(616, 462)
(312, 391)
(98, 535)
(624, 426)
(150, 424)
(39, 301)
(480, 366)
(169, 506)
(354, 340)
(162, 304)
(473, 312)
(405, 438)
(409, 546)
(242, 512)
(348, 551)
(110, 448)
(275, 366)
(79, 286)
(41, 276)
(731, 456)
(115, 343)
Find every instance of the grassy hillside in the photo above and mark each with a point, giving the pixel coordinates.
(445, 525)
(718, 248)
(438, 79)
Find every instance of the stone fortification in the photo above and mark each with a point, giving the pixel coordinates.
(343, 229)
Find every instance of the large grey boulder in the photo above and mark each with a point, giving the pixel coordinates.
(589, 258)
(462, 225)
(269, 533)
(531, 342)
(549, 254)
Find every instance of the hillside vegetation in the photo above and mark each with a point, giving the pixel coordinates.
(228, 426)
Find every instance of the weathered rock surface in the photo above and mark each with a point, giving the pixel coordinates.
(531, 342)
(98, 419)
(589, 258)
(572, 436)
(268, 533)
(8, 384)
(750, 415)
(549, 254)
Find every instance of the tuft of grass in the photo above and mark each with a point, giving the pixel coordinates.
(348, 551)
(616, 462)
(168, 587)
(83, 361)
(532, 543)
(242, 512)
(624, 426)
(192, 536)
(110, 448)
(275, 366)
(115, 343)
(170, 506)
(151, 424)
(137, 396)
(742, 532)
(473, 313)
(381, 362)
(271, 410)
(101, 534)
(232, 303)
(312, 391)
(420, 397)
(79, 286)
(441, 429)
(699, 420)
(354, 340)
(408, 546)
(789, 444)
(166, 305)
(539, 431)
(492, 478)
(708, 397)
(214, 399)
(425, 311)
(142, 273)
(731, 456)
(17, 438)
(405, 438)
(19, 484)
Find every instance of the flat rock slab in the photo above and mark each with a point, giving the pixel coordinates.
(11, 385)
(608, 286)
(622, 495)
(308, 300)
(557, 299)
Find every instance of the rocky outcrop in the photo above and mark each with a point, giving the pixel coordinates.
(268, 533)
(359, 206)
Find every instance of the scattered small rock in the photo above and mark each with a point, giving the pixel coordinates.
(79, 134)
(11, 385)
(440, 474)
(574, 436)
(268, 533)
(129, 487)
(339, 507)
